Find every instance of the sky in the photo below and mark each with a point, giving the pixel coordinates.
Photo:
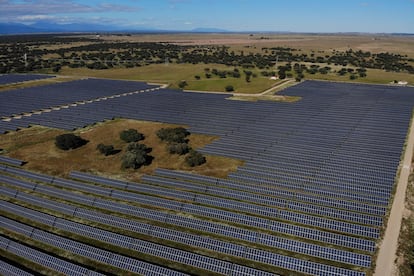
(375, 16)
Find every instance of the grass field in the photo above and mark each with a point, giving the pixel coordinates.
(173, 73)
(36, 146)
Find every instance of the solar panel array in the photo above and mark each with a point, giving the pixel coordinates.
(159, 232)
(53, 105)
(310, 198)
(10, 161)
(15, 78)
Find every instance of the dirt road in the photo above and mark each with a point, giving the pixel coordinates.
(388, 249)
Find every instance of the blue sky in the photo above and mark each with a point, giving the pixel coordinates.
(235, 15)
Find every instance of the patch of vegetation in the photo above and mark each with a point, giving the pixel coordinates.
(106, 149)
(229, 88)
(131, 135)
(194, 158)
(173, 135)
(69, 141)
(179, 148)
(182, 84)
(136, 156)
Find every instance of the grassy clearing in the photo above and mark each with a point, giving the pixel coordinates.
(36, 146)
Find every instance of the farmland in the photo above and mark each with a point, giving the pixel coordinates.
(299, 176)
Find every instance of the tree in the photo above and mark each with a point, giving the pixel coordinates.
(173, 135)
(194, 158)
(106, 149)
(229, 88)
(136, 156)
(131, 135)
(182, 84)
(282, 74)
(69, 141)
(179, 148)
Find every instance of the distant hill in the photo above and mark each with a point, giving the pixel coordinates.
(16, 28)
(48, 27)
(51, 27)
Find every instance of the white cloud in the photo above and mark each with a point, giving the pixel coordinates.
(10, 11)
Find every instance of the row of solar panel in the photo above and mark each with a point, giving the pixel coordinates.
(16, 78)
(299, 247)
(64, 93)
(344, 227)
(179, 236)
(264, 211)
(122, 185)
(87, 251)
(44, 259)
(272, 191)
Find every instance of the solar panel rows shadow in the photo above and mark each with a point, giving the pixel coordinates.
(317, 179)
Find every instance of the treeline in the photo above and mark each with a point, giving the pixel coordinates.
(103, 55)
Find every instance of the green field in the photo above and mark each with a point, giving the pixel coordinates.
(173, 73)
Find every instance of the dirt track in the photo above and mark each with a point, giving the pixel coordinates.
(387, 252)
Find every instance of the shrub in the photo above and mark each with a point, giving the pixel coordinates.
(229, 88)
(173, 135)
(179, 148)
(182, 84)
(195, 159)
(69, 141)
(106, 149)
(131, 135)
(136, 156)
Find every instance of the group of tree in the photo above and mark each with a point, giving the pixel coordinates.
(97, 55)
(177, 143)
(137, 154)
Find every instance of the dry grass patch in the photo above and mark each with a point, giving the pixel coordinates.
(36, 146)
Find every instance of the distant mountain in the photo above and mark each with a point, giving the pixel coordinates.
(208, 30)
(50, 27)
(74, 27)
(16, 28)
